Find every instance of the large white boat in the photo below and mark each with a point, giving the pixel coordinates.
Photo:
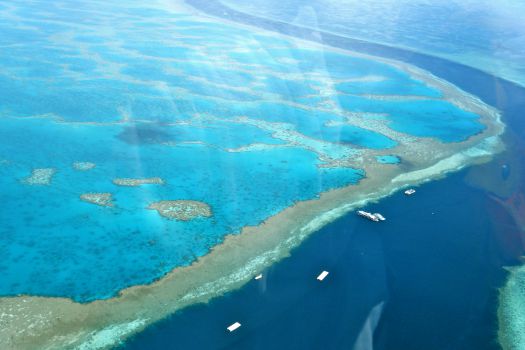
(233, 326)
(322, 276)
(367, 215)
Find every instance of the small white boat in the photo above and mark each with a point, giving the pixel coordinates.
(410, 192)
(258, 277)
(234, 326)
(322, 276)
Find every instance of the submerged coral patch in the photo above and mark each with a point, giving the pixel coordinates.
(102, 199)
(40, 176)
(183, 210)
(83, 166)
(137, 182)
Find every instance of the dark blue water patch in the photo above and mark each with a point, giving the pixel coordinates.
(388, 159)
(145, 134)
(219, 134)
(409, 265)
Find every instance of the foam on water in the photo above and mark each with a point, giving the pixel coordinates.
(110, 336)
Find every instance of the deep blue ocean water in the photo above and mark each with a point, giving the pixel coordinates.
(435, 264)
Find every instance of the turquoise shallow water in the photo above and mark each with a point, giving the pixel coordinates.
(153, 93)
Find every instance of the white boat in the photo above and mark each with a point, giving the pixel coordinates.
(258, 277)
(367, 215)
(322, 276)
(410, 192)
(379, 216)
(234, 326)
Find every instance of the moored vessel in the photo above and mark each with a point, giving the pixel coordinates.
(234, 326)
(367, 215)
